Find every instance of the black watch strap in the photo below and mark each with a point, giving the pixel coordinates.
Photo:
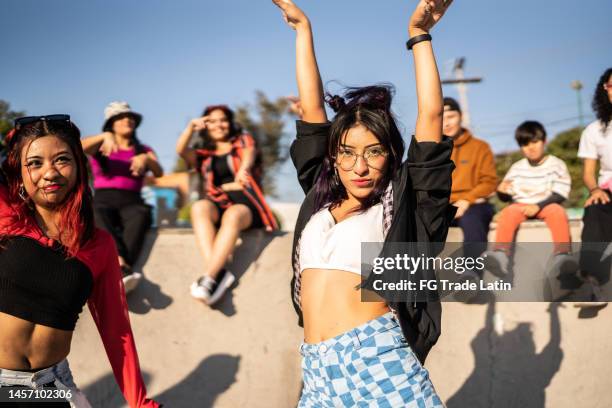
(415, 40)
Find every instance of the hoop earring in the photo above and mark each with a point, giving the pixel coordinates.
(335, 181)
(22, 193)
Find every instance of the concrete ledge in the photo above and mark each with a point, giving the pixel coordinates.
(244, 353)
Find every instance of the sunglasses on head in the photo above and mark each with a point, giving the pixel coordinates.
(27, 120)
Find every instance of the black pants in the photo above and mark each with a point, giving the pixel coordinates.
(475, 226)
(596, 236)
(125, 215)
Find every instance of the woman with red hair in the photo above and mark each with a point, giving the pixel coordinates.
(52, 260)
(232, 201)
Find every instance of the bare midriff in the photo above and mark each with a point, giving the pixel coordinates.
(332, 305)
(26, 346)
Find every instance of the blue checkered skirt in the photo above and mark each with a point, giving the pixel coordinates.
(369, 366)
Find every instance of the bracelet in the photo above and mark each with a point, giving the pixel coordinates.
(593, 189)
(415, 40)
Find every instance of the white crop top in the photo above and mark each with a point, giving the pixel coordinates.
(327, 245)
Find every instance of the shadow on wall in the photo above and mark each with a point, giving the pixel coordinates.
(246, 254)
(147, 295)
(200, 388)
(508, 373)
(211, 378)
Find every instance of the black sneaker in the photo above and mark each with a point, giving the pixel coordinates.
(217, 287)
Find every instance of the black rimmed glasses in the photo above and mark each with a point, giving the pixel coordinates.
(374, 157)
(27, 120)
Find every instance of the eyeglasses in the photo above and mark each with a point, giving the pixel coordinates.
(26, 120)
(608, 86)
(374, 158)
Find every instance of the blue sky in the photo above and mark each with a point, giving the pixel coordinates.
(169, 59)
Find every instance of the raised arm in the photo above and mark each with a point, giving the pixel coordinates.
(104, 142)
(310, 87)
(182, 144)
(429, 89)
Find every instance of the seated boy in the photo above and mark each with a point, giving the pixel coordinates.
(536, 185)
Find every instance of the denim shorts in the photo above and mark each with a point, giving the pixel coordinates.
(369, 366)
(57, 376)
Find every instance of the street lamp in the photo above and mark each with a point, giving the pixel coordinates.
(577, 86)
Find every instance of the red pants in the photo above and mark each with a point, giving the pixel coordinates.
(553, 215)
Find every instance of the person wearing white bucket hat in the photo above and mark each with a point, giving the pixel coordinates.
(119, 162)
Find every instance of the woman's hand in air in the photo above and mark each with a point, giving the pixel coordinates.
(109, 144)
(138, 165)
(242, 176)
(292, 14)
(426, 15)
(198, 124)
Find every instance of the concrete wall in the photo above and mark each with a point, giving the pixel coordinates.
(243, 353)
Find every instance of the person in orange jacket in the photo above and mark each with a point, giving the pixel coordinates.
(474, 180)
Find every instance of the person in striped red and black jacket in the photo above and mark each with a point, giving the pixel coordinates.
(232, 197)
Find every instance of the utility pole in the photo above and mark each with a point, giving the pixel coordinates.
(577, 86)
(461, 81)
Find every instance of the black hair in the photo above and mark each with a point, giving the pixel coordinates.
(452, 104)
(601, 101)
(108, 127)
(206, 142)
(369, 106)
(529, 131)
(76, 212)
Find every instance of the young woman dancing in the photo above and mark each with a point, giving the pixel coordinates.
(232, 201)
(358, 190)
(52, 260)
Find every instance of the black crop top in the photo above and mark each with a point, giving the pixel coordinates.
(39, 284)
(221, 169)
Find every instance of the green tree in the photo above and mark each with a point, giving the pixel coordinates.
(565, 146)
(266, 122)
(7, 116)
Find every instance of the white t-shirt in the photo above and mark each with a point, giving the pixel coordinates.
(533, 184)
(595, 144)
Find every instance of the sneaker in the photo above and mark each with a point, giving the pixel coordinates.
(561, 277)
(209, 290)
(200, 289)
(130, 278)
(496, 262)
(219, 285)
(595, 297)
(467, 295)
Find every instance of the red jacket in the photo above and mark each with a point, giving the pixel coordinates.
(107, 302)
(252, 190)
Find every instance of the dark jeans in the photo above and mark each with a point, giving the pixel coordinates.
(596, 236)
(475, 226)
(125, 215)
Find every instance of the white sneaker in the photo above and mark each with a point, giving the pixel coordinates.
(200, 289)
(131, 280)
(209, 290)
(496, 262)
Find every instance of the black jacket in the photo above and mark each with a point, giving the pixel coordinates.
(421, 213)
